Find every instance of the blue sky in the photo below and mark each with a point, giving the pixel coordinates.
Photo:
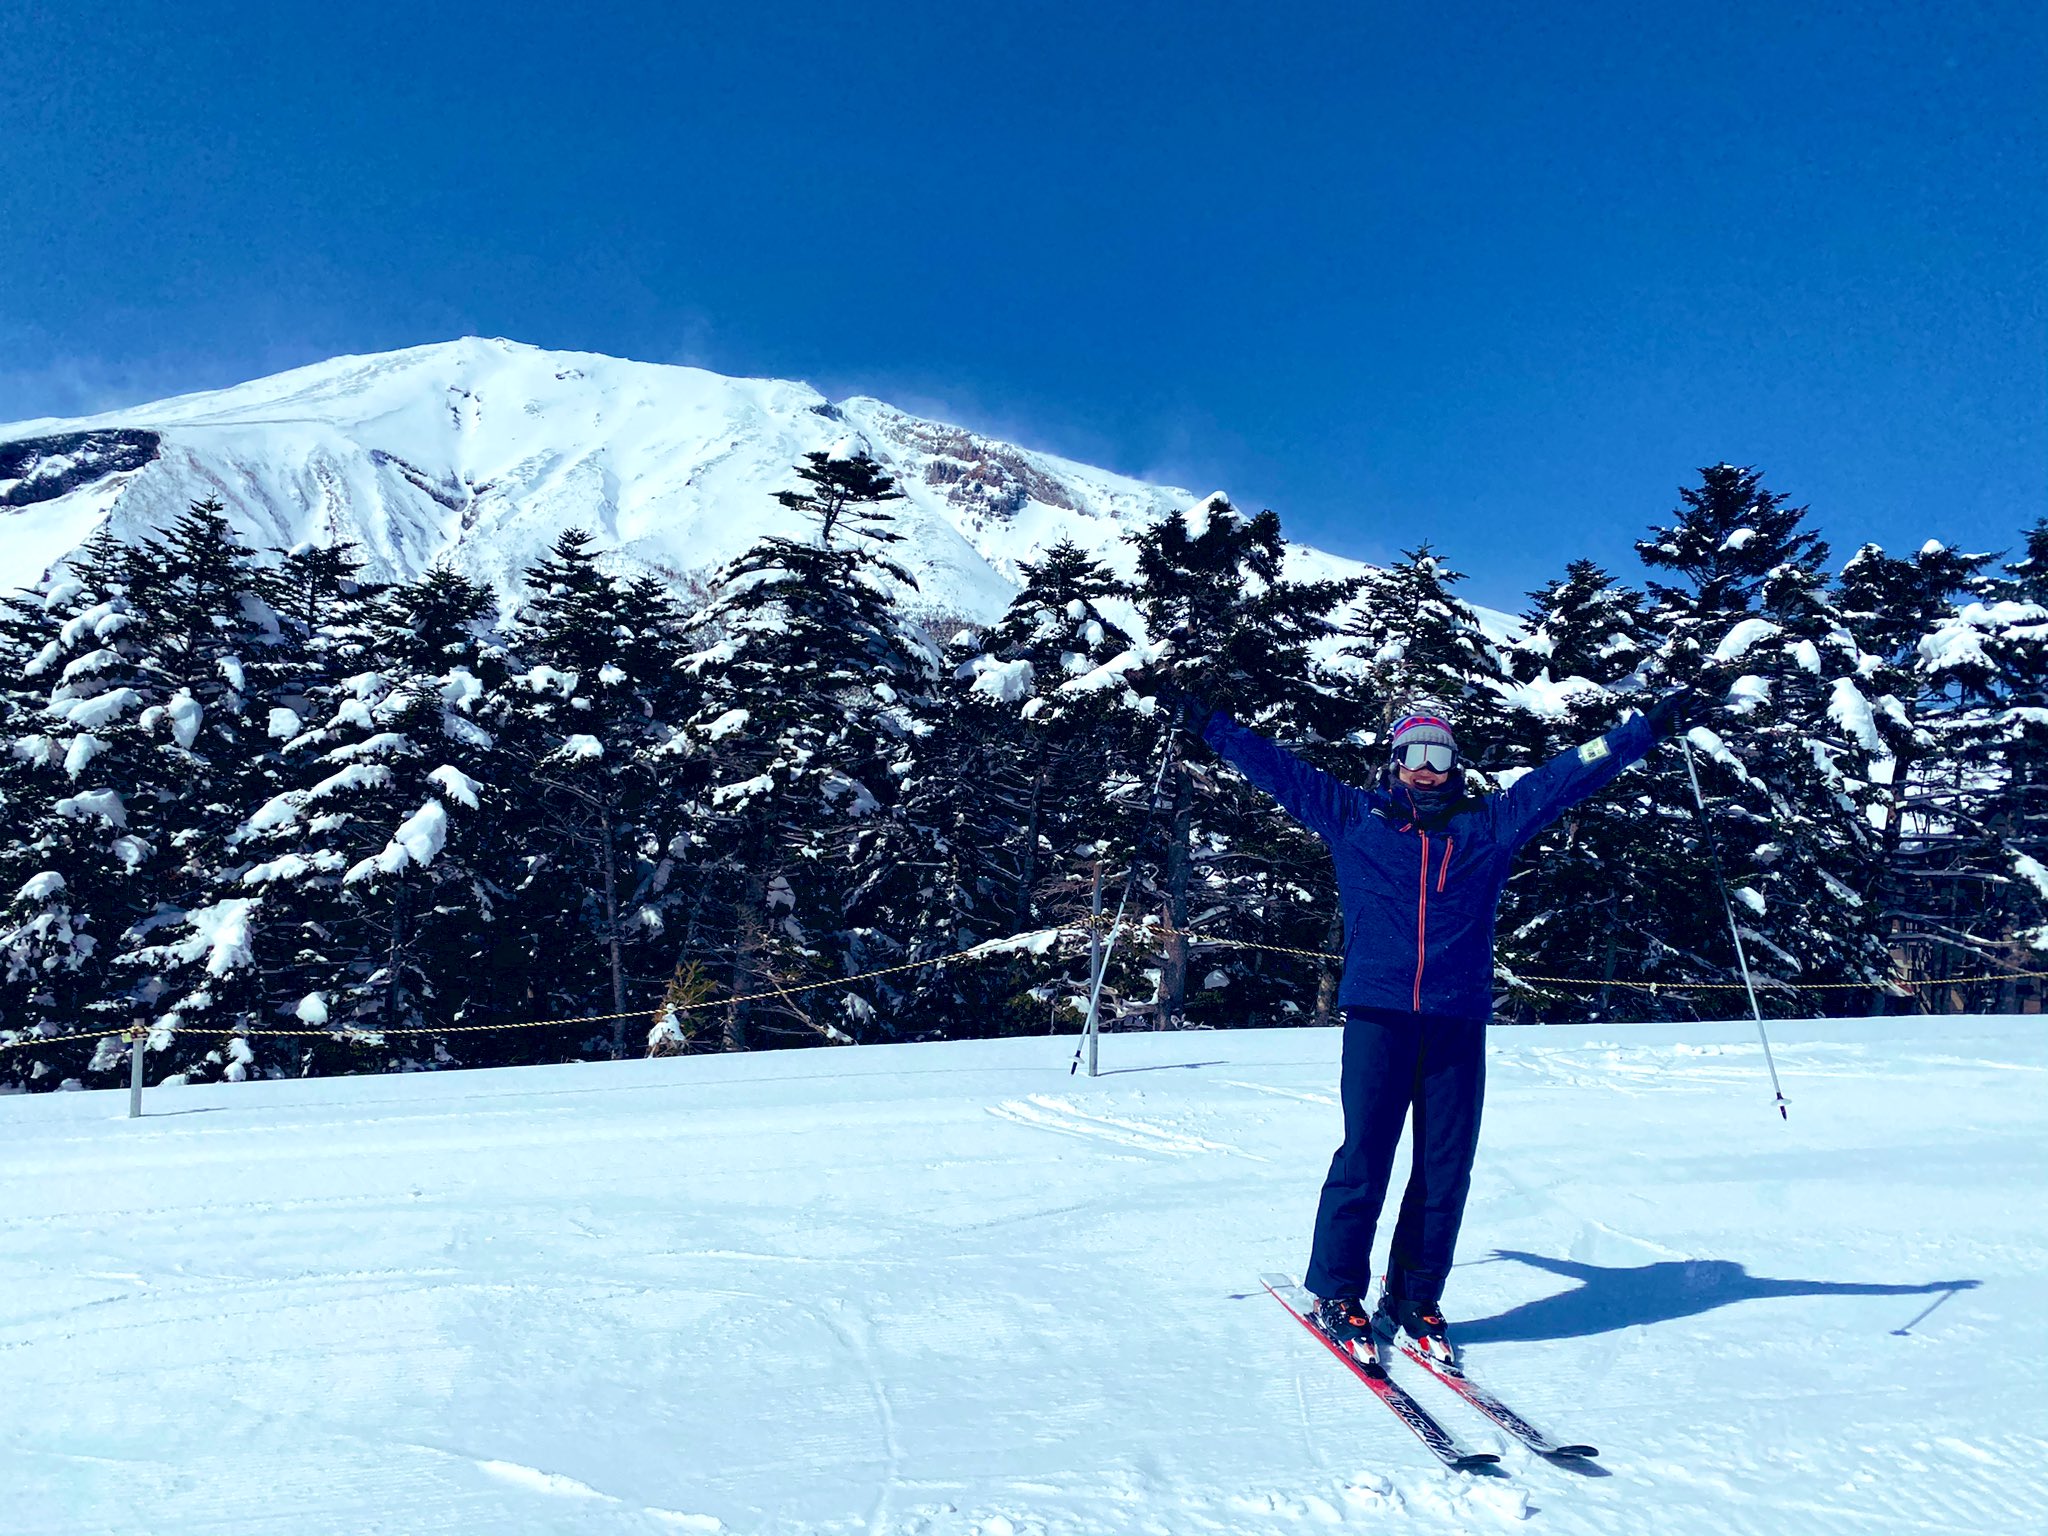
(1497, 277)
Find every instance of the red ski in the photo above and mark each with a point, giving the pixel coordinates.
(1418, 1418)
(1454, 1377)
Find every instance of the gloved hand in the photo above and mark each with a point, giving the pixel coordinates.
(1673, 712)
(1178, 693)
(1194, 710)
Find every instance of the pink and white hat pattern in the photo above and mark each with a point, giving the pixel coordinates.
(1421, 730)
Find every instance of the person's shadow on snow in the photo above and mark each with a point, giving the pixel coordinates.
(1610, 1298)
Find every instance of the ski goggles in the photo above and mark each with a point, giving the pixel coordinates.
(1433, 755)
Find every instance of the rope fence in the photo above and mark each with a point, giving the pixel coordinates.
(988, 950)
(1594, 983)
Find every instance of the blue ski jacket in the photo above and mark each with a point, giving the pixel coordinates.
(1420, 900)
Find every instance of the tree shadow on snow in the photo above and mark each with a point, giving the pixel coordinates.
(1607, 1298)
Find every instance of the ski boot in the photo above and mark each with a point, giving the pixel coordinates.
(1345, 1320)
(1422, 1321)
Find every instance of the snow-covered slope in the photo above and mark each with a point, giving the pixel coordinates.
(949, 1290)
(478, 452)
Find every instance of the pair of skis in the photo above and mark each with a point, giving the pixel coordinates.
(1442, 1444)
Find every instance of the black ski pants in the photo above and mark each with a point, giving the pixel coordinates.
(1397, 1064)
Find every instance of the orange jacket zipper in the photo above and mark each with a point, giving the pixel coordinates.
(1445, 867)
(1422, 918)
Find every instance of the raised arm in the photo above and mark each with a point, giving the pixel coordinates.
(1537, 799)
(1319, 801)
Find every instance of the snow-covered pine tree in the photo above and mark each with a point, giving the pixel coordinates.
(852, 489)
(365, 856)
(324, 607)
(1727, 537)
(1921, 717)
(1587, 626)
(593, 711)
(939, 873)
(316, 587)
(208, 656)
(2020, 645)
(1409, 640)
(77, 869)
(808, 703)
(1788, 757)
(1002, 803)
(1974, 889)
(1055, 659)
(1592, 902)
(1212, 582)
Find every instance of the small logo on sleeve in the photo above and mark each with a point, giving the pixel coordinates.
(1593, 750)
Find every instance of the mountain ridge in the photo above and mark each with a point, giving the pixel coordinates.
(478, 452)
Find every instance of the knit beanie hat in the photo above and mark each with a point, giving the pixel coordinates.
(1421, 730)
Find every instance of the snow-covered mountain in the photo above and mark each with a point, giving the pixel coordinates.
(479, 452)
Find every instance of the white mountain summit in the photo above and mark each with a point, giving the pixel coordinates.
(479, 452)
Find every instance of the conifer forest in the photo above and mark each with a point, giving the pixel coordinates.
(290, 822)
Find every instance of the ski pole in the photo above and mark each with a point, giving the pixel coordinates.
(1090, 1030)
(1728, 906)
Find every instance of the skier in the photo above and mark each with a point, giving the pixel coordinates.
(1420, 863)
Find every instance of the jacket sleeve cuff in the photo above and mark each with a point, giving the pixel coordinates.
(1633, 739)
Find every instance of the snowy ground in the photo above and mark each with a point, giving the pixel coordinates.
(948, 1289)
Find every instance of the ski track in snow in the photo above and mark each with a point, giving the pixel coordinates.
(948, 1290)
(1284, 1093)
(1049, 1113)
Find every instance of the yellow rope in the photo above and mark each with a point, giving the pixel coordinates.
(1651, 986)
(990, 950)
(430, 1029)
(24, 1044)
(605, 1018)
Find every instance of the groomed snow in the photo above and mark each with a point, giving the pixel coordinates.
(950, 1290)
